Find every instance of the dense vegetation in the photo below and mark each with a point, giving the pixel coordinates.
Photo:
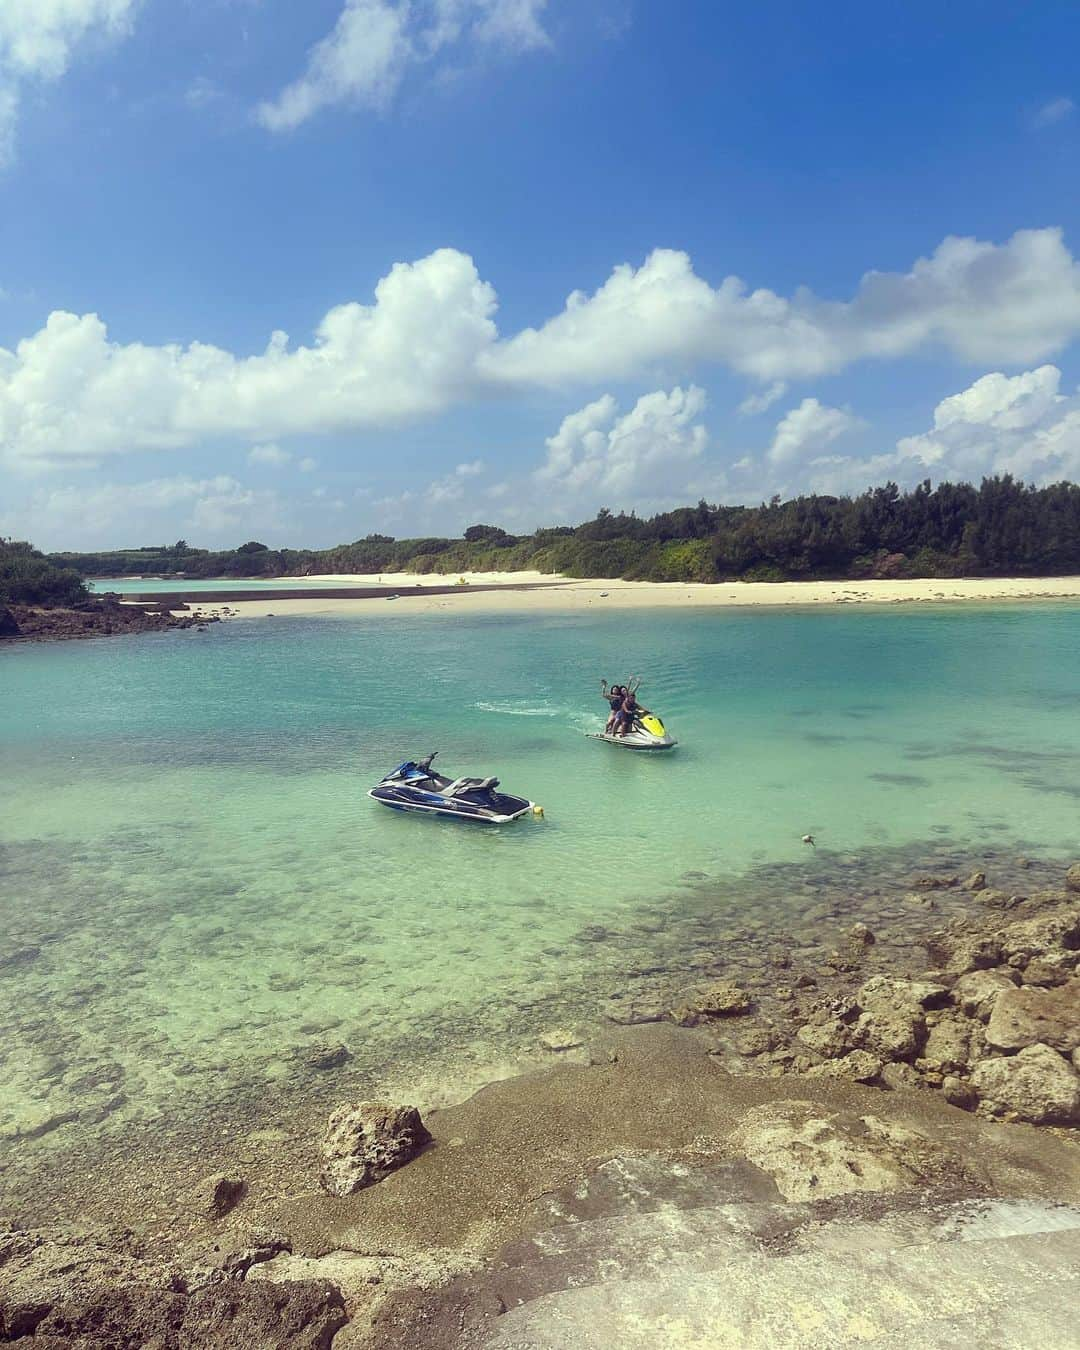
(27, 577)
(1000, 528)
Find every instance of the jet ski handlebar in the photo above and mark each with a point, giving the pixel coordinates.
(426, 762)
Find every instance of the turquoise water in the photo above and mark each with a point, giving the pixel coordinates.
(194, 888)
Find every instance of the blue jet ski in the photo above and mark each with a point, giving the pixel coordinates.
(416, 787)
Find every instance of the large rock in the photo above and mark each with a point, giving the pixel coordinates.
(948, 1045)
(368, 1141)
(978, 991)
(812, 1153)
(858, 1067)
(299, 1315)
(828, 1038)
(1033, 1016)
(1037, 1085)
(1072, 877)
(893, 1021)
(9, 626)
(719, 1000)
(1044, 935)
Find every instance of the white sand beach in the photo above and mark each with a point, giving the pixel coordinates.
(568, 594)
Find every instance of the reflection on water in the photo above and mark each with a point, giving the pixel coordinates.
(195, 891)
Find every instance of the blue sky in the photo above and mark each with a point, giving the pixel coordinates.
(809, 248)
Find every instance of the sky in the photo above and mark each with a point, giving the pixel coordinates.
(303, 272)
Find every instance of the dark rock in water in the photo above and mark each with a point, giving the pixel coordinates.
(366, 1142)
(935, 883)
(18, 956)
(215, 1196)
(323, 1057)
(8, 624)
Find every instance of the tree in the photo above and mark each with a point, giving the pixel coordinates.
(475, 533)
(252, 546)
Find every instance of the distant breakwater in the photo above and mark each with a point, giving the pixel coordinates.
(177, 599)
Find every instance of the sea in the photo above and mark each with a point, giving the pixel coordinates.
(204, 920)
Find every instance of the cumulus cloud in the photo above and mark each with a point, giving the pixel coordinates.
(69, 395)
(637, 457)
(215, 509)
(363, 60)
(808, 429)
(38, 39)
(979, 301)
(1018, 424)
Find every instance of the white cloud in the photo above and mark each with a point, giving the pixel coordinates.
(215, 509)
(451, 488)
(364, 58)
(807, 429)
(37, 41)
(1016, 424)
(759, 403)
(268, 454)
(979, 301)
(68, 395)
(308, 465)
(633, 458)
(1054, 110)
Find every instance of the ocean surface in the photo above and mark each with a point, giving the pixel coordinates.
(196, 893)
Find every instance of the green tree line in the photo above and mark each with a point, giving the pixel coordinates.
(1001, 527)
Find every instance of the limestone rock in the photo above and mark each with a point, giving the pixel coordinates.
(1037, 1085)
(829, 1038)
(813, 1153)
(1033, 1016)
(975, 882)
(935, 883)
(298, 1315)
(857, 1067)
(1043, 935)
(719, 1000)
(959, 1093)
(366, 1142)
(1051, 970)
(948, 1045)
(977, 992)
(1072, 878)
(216, 1195)
(893, 1024)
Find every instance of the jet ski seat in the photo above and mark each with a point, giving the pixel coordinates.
(460, 785)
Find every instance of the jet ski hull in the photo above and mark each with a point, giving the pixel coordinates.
(635, 741)
(414, 787)
(647, 733)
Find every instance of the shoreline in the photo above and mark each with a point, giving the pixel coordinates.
(527, 592)
(646, 1099)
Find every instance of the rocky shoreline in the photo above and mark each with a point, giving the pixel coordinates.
(949, 1042)
(102, 616)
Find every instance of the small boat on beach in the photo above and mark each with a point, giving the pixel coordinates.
(646, 733)
(414, 786)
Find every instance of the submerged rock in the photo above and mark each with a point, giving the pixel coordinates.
(719, 1000)
(1036, 1085)
(366, 1142)
(215, 1196)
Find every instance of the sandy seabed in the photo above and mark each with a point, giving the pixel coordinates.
(525, 592)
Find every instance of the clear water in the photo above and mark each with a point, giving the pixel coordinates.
(186, 842)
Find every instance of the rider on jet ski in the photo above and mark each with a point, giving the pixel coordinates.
(624, 706)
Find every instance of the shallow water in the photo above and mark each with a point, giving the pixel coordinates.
(194, 888)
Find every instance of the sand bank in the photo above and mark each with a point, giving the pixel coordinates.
(547, 593)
